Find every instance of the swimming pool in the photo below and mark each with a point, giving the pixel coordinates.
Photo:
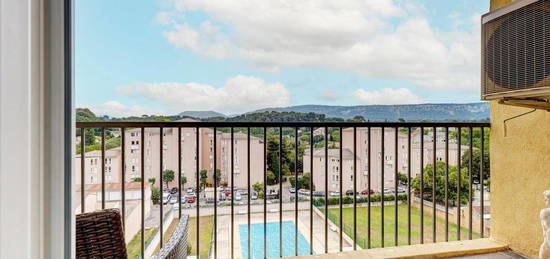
(257, 240)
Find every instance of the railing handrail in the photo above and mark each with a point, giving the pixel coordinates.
(225, 124)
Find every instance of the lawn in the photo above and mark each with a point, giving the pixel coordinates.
(206, 225)
(389, 225)
(134, 247)
(169, 231)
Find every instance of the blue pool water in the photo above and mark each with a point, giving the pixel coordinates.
(257, 240)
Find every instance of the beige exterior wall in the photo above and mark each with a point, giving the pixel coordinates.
(520, 167)
(113, 162)
(520, 172)
(388, 160)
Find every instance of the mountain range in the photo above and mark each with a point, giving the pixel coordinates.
(409, 112)
(201, 114)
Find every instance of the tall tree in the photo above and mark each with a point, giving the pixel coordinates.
(440, 183)
(167, 176)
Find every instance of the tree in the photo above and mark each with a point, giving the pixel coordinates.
(167, 176)
(440, 183)
(218, 176)
(152, 181)
(183, 181)
(89, 137)
(477, 164)
(258, 187)
(271, 178)
(273, 156)
(403, 179)
(137, 179)
(203, 177)
(155, 195)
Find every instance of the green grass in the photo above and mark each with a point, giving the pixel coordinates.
(134, 247)
(389, 226)
(205, 228)
(169, 231)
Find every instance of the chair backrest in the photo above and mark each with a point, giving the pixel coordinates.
(176, 247)
(100, 235)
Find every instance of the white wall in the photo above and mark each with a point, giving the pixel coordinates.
(32, 165)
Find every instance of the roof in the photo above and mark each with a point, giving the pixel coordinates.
(333, 152)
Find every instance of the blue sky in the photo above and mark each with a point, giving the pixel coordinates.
(168, 56)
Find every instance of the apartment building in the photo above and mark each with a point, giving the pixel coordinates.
(152, 161)
(390, 162)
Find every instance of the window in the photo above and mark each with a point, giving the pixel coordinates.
(133, 168)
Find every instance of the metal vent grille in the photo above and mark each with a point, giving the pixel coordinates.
(516, 51)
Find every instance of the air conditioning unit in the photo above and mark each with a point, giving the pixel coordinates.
(515, 52)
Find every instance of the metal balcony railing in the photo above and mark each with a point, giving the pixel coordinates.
(398, 174)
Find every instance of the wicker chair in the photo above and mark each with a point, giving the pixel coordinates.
(100, 235)
(176, 247)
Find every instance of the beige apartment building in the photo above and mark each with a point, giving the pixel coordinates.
(388, 161)
(152, 160)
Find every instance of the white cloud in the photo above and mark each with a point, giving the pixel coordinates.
(386, 96)
(238, 94)
(116, 109)
(347, 35)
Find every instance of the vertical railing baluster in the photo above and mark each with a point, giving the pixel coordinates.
(311, 191)
(265, 193)
(161, 175)
(382, 195)
(369, 149)
(446, 184)
(396, 193)
(83, 170)
(340, 183)
(326, 190)
(102, 168)
(248, 187)
(296, 191)
(123, 175)
(470, 185)
(232, 191)
(179, 172)
(215, 143)
(421, 185)
(409, 183)
(198, 187)
(434, 172)
(142, 154)
(280, 192)
(458, 212)
(481, 176)
(354, 188)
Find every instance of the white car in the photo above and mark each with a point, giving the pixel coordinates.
(165, 197)
(174, 199)
(333, 194)
(238, 196)
(254, 196)
(303, 192)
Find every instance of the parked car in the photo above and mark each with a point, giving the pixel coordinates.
(367, 192)
(388, 191)
(165, 197)
(221, 196)
(192, 199)
(227, 192)
(210, 200)
(401, 190)
(243, 192)
(303, 192)
(238, 196)
(174, 199)
(272, 196)
(349, 192)
(254, 196)
(292, 190)
(176, 206)
(174, 190)
(190, 190)
(318, 194)
(333, 194)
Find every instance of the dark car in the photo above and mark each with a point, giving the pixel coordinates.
(210, 200)
(174, 190)
(349, 192)
(318, 194)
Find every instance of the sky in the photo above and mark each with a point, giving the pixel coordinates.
(235, 56)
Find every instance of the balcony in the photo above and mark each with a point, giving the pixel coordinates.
(370, 215)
